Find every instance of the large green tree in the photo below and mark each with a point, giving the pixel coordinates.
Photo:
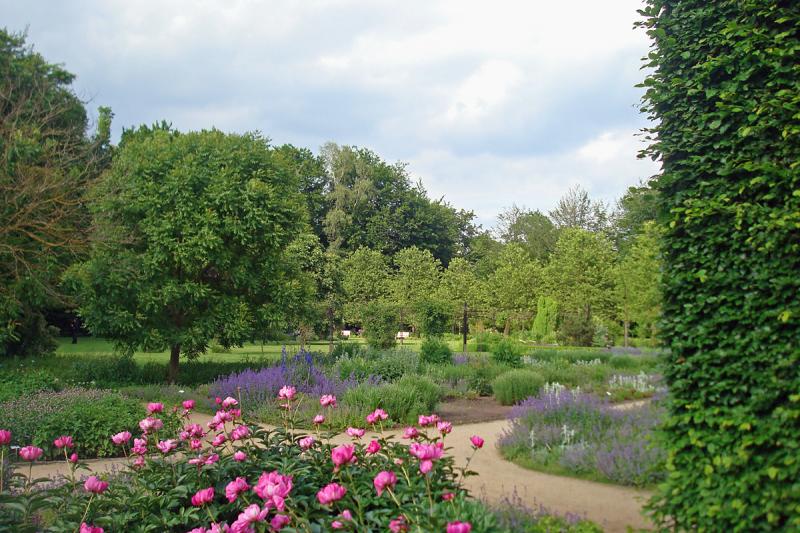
(533, 230)
(638, 276)
(723, 95)
(415, 280)
(365, 278)
(514, 287)
(46, 164)
(191, 242)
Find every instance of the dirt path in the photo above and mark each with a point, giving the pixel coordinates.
(613, 507)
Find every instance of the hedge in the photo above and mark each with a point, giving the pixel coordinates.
(724, 95)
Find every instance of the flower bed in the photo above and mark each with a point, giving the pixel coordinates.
(576, 433)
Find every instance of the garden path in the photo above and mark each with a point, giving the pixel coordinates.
(613, 507)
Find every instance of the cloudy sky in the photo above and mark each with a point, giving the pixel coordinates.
(490, 103)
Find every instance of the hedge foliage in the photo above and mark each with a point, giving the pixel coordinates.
(724, 93)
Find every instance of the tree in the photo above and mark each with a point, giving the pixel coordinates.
(580, 278)
(638, 282)
(515, 285)
(313, 183)
(416, 278)
(544, 325)
(381, 321)
(365, 278)
(637, 206)
(533, 230)
(191, 242)
(576, 210)
(47, 164)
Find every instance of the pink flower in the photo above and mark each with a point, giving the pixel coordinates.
(139, 446)
(211, 459)
(88, 528)
(5, 437)
(336, 525)
(428, 420)
(154, 407)
(166, 446)
(398, 525)
(279, 521)
(327, 400)
(138, 462)
(476, 441)
(319, 419)
(373, 447)
(64, 441)
(346, 516)
(384, 480)
(30, 453)
(73, 458)
(410, 433)
(239, 456)
(195, 430)
(426, 453)
(356, 433)
(150, 424)
(219, 440)
(273, 488)
(229, 402)
(447, 496)
(240, 432)
(188, 404)
(203, 496)
(398, 461)
(342, 455)
(236, 487)
(376, 416)
(120, 438)
(217, 400)
(444, 427)
(287, 393)
(459, 527)
(195, 444)
(330, 493)
(219, 528)
(306, 442)
(95, 485)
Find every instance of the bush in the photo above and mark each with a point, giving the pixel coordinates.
(24, 382)
(435, 351)
(516, 385)
(485, 341)
(434, 317)
(346, 349)
(623, 361)
(507, 352)
(404, 400)
(380, 324)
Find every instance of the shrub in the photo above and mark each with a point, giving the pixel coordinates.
(516, 385)
(380, 324)
(435, 351)
(434, 317)
(544, 325)
(623, 362)
(404, 400)
(24, 382)
(507, 352)
(485, 341)
(346, 349)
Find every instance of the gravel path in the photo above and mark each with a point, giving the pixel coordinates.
(613, 507)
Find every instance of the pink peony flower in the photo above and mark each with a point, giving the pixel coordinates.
(211, 459)
(410, 433)
(373, 447)
(219, 440)
(336, 525)
(327, 400)
(447, 496)
(273, 488)
(240, 432)
(229, 402)
(239, 456)
(319, 419)
(195, 430)
(219, 528)
(64, 441)
(5, 437)
(342, 455)
(236, 487)
(476, 441)
(428, 420)
(444, 427)
(203, 496)
(330, 493)
(426, 453)
(95, 485)
(88, 528)
(73, 458)
(138, 462)
(287, 393)
(195, 444)
(459, 527)
(150, 424)
(154, 407)
(306, 442)
(279, 521)
(139, 446)
(398, 525)
(120, 438)
(346, 516)
(188, 404)
(217, 400)
(166, 446)
(356, 433)
(30, 453)
(376, 416)
(385, 480)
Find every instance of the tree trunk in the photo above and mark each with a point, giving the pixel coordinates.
(507, 329)
(174, 359)
(626, 327)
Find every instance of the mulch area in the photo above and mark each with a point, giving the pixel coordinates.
(465, 411)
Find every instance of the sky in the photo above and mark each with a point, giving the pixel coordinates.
(489, 103)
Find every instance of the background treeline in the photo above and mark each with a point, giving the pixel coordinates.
(177, 240)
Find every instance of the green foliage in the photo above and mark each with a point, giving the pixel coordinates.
(380, 321)
(18, 383)
(218, 266)
(531, 229)
(434, 350)
(507, 352)
(365, 275)
(415, 280)
(404, 400)
(434, 317)
(515, 285)
(516, 385)
(639, 279)
(544, 325)
(724, 95)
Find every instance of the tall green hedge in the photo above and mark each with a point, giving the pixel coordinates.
(724, 93)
